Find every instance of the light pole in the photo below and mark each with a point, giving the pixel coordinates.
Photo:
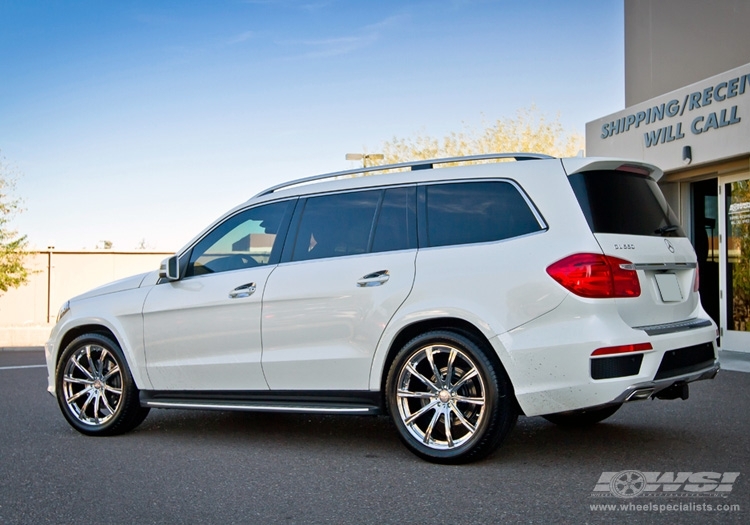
(364, 157)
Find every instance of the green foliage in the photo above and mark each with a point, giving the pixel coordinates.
(13, 273)
(528, 132)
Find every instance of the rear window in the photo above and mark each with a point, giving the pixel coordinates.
(625, 203)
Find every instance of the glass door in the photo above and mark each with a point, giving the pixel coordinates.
(735, 278)
(705, 234)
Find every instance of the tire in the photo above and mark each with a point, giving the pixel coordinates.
(450, 402)
(583, 417)
(95, 389)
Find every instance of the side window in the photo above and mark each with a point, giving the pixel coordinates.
(245, 240)
(470, 212)
(396, 225)
(336, 225)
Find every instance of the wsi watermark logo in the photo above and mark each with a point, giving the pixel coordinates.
(634, 483)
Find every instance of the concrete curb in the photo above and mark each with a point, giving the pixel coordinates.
(734, 361)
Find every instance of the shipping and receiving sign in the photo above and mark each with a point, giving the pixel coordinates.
(703, 122)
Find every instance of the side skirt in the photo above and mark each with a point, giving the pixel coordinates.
(362, 402)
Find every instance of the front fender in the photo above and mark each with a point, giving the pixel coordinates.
(123, 319)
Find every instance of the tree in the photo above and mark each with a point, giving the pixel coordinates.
(529, 132)
(738, 244)
(13, 273)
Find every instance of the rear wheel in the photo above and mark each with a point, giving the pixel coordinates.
(449, 401)
(583, 417)
(95, 389)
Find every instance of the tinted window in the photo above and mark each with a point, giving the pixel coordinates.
(336, 225)
(244, 240)
(622, 202)
(469, 212)
(396, 224)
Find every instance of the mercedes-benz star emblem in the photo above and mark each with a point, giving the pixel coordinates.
(669, 245)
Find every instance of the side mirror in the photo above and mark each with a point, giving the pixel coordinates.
(170, 269)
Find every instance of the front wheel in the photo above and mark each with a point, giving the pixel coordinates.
(95, 390)
(449, 401)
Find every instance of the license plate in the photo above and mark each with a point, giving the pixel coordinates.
(669, 287)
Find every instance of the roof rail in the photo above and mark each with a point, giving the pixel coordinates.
(414, 165)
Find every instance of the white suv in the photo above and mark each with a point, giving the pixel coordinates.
(454, 299)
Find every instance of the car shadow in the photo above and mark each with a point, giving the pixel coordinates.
(371, 436)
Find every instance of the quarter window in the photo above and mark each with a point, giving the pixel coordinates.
(471, 212)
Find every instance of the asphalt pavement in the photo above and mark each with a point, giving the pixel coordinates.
(224, 467)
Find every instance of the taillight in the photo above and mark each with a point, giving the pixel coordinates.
(596, 276)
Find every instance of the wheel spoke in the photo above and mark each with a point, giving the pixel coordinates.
(99, 363)
(92, 394)
(72, 398)
(115, 370)
(449, 371)
(431, 359)
(415, 395)
(447, 421)
(422, 378)
(78, 381)
(112, 389)
(472, 400)
(428, 432)
(463, 419)
(416, 415)
(92, 367)
(107, 405)
(468, 375)
(97, 397)
(80, 367)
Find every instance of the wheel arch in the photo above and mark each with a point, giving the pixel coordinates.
(78, 331)
(451, 324)
(131, 349)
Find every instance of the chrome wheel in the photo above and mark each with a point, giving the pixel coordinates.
(92, 385)
(450, 398)
(441, 396)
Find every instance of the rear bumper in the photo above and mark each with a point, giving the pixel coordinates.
(649, 389)
(551, 366)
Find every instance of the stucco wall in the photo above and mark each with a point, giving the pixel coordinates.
(673, 43)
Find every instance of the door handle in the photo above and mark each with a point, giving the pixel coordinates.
(246, 290)
(374, 279)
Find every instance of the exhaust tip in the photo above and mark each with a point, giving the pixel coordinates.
(640, 394)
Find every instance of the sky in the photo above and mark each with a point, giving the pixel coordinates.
(141, 122)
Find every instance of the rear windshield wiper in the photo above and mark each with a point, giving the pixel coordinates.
(669, 228)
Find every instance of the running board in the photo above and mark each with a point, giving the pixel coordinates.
(336, 403)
